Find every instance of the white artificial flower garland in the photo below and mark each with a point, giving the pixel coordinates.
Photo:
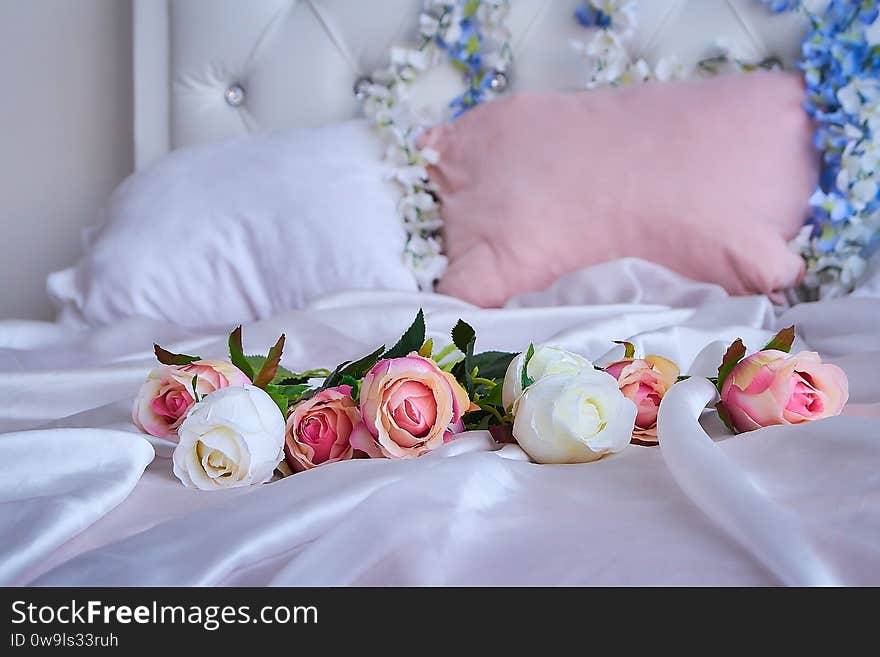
(472, 34)
(608, 63)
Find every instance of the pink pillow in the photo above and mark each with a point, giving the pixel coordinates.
(710, 178)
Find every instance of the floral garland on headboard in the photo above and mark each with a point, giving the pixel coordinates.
(472, 34)
(841, 62)
(608, 62)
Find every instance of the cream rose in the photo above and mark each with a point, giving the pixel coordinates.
(233, 437)
(546, 360)
(564, 418)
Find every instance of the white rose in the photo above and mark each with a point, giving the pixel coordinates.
(563, 418)
(233, 437)
(545, 360)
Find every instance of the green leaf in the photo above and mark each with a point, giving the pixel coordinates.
(360, 367)
(427, 349)
(724, 414)
(472, 45)
(732, 356)
(493, 397)
(485, 422)
(526, 380)
(469, 370)
(462, 67)
(256, 362)
(411, 340)
(462, 334)
(283, 374)
(280, 400)
(464, 337)
(195, 383)
(782, 341)
(287, 378)
(355, 370)
(335, 377)
(470, 7)
(441, 355)
(478, 421)
(236, 354)
(167, 358)
(286, 396)
(493, 364)
(293, 393)
(629, 348)
(270, 367)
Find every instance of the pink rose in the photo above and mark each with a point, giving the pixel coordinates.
(773, 387)
(166, 395)
(645, 381)
(409, 407)
(319, 429)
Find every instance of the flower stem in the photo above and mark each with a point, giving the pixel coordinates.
(494, 411)
(443, 353)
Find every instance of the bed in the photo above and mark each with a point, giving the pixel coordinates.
(87, 500)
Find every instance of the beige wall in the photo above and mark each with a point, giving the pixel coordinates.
(65, 135)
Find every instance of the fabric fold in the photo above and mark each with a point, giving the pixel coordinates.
(54, 484)
(728, 495)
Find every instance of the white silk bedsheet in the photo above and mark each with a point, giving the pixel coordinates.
(84, 501)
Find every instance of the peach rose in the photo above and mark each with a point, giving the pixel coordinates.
(409, 407)
(319, 429)
(773, 387)
(645, 381)
(166, 396)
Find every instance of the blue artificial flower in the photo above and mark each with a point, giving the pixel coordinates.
(779, 6)
(830, 206)
(836, 56)
(869, 12)
(590, 16)
(466, 53)
(815, 53)
(827, 241)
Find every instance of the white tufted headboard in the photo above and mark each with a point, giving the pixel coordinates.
(208, 69)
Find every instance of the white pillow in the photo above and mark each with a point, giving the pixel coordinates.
(237, 230)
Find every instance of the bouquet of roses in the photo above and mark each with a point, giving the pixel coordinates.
(246, 420)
